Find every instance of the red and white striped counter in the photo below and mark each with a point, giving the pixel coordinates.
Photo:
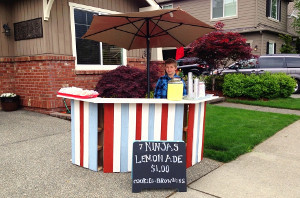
(128, 119)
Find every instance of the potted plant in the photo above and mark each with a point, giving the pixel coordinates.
(10, 101)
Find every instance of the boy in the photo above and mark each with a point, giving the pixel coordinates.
(162, 83)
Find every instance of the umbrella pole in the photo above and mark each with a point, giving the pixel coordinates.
(148, 59)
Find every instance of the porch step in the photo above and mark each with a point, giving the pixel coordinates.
(61, 115)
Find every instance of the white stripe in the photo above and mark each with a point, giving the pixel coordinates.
(157, 121)
(86, 135)
(131, 132)
(77, 131)
(117, 137)
(171, 122)
(195, 134)
(145, 117)
(201, 131)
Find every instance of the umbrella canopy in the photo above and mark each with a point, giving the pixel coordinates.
(151, 29)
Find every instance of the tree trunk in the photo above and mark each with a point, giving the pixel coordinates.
(213, 82)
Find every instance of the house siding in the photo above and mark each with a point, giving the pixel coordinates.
(273, 37)
(6, 42)
(262, 19)
(255, 37)
(201, 9)
(251, 20)
(290, 20)
(22, 11)
(37, 68)
(56, 31)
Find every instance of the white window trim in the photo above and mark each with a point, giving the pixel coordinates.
(91, 67)
(273, 42)
(223, 18)
(272, 19)
(250, 42)
(170, 4)
(278, 9)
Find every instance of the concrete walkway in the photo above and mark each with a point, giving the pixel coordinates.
(271, 170)
(259, 108)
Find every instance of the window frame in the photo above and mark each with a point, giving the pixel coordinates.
(278, 11)
(85, 67)
(274, 48)
(223, 17)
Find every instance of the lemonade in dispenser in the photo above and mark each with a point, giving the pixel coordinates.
(175, 89)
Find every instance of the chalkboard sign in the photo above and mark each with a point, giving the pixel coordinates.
(158, 164)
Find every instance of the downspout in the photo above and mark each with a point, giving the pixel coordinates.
(262, 42)
(255, 19)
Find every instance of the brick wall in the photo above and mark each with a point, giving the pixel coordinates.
(141, 64)
(7, 81)
(37, 79)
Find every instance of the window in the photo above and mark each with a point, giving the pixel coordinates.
(292, 62)
(168, 6)
(274, 9)
(87, 51)
(92, 55)
(271, 47)
(271, 62)
(224, 8)
(249, 43)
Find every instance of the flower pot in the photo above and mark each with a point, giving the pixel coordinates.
(10, 103)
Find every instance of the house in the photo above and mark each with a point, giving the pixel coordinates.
(259, 21)
(292, 14)
(42, 50)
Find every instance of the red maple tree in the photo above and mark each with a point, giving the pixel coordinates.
(218, 47)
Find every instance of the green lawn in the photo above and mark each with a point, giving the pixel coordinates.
(231, 132)
(285, 103)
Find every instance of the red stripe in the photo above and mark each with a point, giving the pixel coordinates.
(108, 144)
(203, 131)
(164, 122)
(81, 132)
(138, 134)
(190, 131)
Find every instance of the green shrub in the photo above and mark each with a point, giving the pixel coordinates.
(287, 85)
(258, 86)
(253, 86)
(233, 85)
(219, 80)
(270, 86)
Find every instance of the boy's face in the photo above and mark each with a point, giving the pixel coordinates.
(170, 69)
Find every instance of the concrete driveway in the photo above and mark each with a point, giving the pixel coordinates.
(35, 151)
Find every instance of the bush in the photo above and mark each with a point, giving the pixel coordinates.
(219, 80)
(127, 82)
(233, 85)
(287, 85)
(270, 86)
(253, 86)
(258, 86)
